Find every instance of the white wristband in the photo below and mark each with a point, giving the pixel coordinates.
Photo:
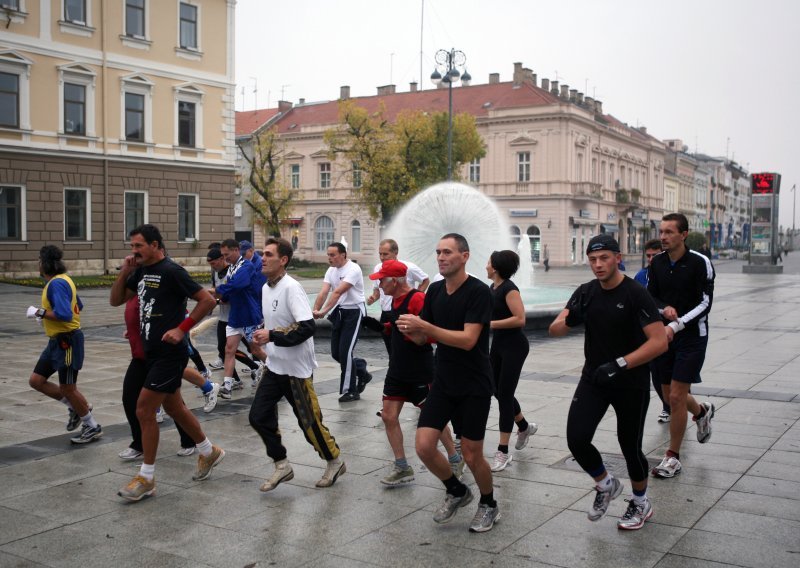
(676, 325)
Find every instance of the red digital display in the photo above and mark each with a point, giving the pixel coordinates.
(764, 183)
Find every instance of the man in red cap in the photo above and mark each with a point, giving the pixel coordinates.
(410, 373)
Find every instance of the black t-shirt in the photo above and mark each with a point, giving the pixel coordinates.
(162, 289)
(501, 311)
(461, 372)
(614, 327)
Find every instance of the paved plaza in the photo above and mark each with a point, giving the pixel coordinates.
(737, 502)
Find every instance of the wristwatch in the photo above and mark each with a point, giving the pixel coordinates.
(40, 312)
(622, 362)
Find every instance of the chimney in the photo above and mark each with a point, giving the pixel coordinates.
(579, 98)
(412, 87)
(573, 95)
(386, 90)
(528, 76)
(517, 74)
(554, 87)
(598, 106)
(565, 91)
(546, 84)
(589, 103)
(301, 102)
(494, 78)
(344, 92)
(643, 129)
(284, 106)
(533, 79)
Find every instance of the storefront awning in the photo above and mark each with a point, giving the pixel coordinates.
(609, 228)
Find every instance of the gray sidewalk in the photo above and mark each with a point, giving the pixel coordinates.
(736, 503)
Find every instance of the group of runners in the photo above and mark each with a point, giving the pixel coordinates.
(631, 332)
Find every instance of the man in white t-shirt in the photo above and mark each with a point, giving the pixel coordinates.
(288, 336)
(415, 277)
(344, 282)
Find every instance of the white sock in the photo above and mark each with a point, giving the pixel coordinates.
(639, 499)
(606, 483)
(205, 448)
(227, 382)
(148, 471)
(66, 403)
(89, 420)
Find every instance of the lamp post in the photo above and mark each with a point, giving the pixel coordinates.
(447, 71)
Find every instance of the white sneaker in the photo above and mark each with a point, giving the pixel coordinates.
(333, 471)
(217, 365)
(206, 375)
(501, 460)
(523, 437)
(183, 452)
(160, 415)
(669, 467)
(664, 417)
(283, 472)
(211, 398)
(129, 454)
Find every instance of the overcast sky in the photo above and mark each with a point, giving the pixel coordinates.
(724, 76)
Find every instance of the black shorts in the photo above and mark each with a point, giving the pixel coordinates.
(683, 360)
(470, 412)
(165, 372)
(64, 353)
(415, 393)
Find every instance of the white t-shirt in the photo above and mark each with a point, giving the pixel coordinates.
(282, 306)
(414, 276)
(351, 273)
(224, 308)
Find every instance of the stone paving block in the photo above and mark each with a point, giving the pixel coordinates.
(775, 471)
(787, 445)
(16, 525)
(767, 486)
(782, 532)
(766, 505)
(736, 550)
(580, 551)
(517, 490)
(675, 561)
(778, 456)
(655, 535)
(13, 561)
(60, 504)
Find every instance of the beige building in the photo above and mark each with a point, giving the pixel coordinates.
(560, 169)
(114, 113)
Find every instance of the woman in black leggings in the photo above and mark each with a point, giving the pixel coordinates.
(509, 350)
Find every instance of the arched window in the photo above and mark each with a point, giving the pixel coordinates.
(514, 237)
(535, 235)
(323, 233)
(355, 236)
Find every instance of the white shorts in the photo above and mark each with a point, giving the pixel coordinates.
(246, 332)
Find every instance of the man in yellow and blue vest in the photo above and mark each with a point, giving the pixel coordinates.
(60, 315)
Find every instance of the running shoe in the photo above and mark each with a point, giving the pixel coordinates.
(88, 435)
(524, 435)
(501, 460)
(664, 417)
(458, 468)
(704, 423)
(283, 472)
(224, 392)
(485, 518)
(73, 420)
(206, 463)
(447, 510)
(333, 471)
(399, 476)
(138, 488)
(669, 467)
(217, 365)
(349, 397)
(206, 374)
(237, 385)
(211, 398)
(129, 454)
(635, 515)
(603, 499)
(183, 452)
(160, 415)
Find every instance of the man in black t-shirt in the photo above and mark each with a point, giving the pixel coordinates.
(623, 333)
(163, 288)
(456, 315)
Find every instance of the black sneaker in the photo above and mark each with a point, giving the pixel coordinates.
(363, 381)
(74, 419)
(88, 435)
(349, 397)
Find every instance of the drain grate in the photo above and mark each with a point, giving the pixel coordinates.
(615, 463)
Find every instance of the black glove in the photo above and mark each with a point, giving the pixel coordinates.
(607, 373)
(577, 308)
(372, 324)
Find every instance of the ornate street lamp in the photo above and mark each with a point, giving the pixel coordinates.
(447, 71)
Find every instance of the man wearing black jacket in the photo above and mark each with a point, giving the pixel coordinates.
(681, 282)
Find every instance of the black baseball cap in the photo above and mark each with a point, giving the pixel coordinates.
(602, 242)
(214, 254)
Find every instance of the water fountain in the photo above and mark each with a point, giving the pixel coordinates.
(452, 207)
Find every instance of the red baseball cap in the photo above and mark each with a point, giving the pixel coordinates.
(390, 269)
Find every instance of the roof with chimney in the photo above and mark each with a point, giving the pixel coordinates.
(249, 121)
